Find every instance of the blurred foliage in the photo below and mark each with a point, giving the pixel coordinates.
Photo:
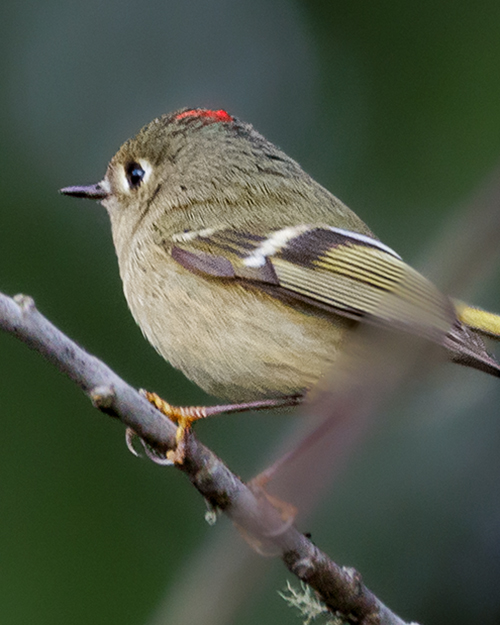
(393, 106)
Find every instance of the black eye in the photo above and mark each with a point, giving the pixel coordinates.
(135, 174)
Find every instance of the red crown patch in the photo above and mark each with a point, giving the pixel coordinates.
(215, 116)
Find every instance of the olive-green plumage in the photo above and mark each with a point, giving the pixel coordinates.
(243, 271)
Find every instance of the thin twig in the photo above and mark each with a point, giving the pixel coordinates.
(340, 588)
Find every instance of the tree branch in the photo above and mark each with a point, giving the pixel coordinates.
(340, 588)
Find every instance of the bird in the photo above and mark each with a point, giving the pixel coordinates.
(249, 276)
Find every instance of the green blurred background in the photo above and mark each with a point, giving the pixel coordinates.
(393, 106)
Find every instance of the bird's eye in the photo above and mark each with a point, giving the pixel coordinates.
(135, 175)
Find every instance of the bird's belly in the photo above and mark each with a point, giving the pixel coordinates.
(235, 343)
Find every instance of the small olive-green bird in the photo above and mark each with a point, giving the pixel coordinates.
(248, 275)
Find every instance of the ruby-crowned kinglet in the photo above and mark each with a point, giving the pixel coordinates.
(245, 273)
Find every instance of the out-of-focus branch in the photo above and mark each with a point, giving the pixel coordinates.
(466, 252)
(340, 588)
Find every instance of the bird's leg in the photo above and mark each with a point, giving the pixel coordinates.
(185, 416)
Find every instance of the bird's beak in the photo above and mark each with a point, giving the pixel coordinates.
(91, 192)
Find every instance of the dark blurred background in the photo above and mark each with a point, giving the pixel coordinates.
(393, 106)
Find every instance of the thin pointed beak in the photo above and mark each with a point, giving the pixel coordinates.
(91, 191)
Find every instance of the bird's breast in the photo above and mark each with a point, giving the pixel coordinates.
(234, 342)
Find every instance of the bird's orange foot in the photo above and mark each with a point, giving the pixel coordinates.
(287, 511)
(183, 417)
(264, 542)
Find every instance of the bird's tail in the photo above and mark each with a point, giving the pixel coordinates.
(481, 321)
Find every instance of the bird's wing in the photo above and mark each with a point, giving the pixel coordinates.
(343, 272)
